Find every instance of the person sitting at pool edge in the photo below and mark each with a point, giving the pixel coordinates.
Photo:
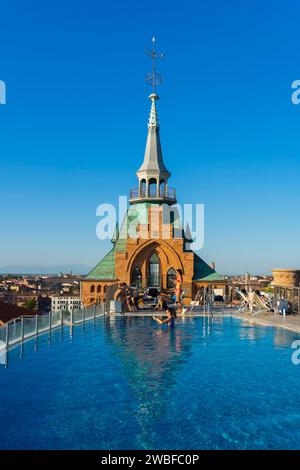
(124, 294)
(119, 295)
(171, 316)
(162, 302)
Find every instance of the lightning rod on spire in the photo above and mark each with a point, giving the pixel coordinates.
(154, 78)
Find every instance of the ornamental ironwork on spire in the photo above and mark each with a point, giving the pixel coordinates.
(153, 116)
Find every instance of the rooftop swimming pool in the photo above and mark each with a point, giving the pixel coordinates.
(129, 383)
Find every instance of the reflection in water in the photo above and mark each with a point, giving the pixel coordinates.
(251, 332)
(152, 356)
(133, 335)
(284, 338)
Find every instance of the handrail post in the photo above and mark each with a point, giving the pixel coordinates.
(36, 325)
(94, 314)
(22, 328)
(83, 316)
(71, 316)
(50, 321)
(7, 335)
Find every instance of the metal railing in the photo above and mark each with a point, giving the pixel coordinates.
(169, 193)
(25, 327)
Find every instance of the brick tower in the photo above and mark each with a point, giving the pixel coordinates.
(150, 244)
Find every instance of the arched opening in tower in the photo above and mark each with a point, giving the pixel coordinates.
(162, 188)
(152, 187)
(143, 188)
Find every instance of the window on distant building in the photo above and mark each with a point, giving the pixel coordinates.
(98, 289)
(92, 289)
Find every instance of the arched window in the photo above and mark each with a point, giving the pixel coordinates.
(92, 300)
(104, 288)
(171, 276)
(98, 288)
(143, 188)
(162, 188)
(92, 289)
(154, 271)
(152, 187)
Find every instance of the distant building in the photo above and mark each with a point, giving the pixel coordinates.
(20, 299)
(65, 302)
(67, 288)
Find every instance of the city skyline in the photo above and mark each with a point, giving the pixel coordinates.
(74, 126)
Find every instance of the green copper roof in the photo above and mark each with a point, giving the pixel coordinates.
(105, 270)
(204, 272)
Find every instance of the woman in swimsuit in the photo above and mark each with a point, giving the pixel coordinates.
(178, 288)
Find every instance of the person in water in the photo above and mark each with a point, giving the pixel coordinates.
(171, 316)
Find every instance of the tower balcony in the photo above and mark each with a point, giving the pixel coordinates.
(162, 195)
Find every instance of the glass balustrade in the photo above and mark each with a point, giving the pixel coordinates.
(25, 327)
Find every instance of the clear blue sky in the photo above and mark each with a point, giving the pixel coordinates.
(73, 131)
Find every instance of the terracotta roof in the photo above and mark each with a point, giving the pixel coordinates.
(11, 311)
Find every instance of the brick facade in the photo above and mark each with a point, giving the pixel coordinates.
(154, 237)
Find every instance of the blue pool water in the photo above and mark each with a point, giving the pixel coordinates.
(129, 383)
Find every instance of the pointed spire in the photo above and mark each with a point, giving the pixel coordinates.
(153, 165)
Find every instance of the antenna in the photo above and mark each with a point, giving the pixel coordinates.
(154, 78)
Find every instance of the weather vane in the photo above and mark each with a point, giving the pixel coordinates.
(154, 78)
